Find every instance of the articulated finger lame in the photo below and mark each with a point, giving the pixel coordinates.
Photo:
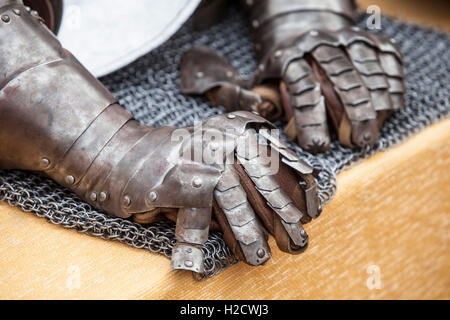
(242, 230)
(325, 67)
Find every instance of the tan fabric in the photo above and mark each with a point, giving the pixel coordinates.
(390, 218)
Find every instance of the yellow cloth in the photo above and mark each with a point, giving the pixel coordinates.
(385, 235)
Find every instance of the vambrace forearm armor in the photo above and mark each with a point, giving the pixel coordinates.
(57, 119)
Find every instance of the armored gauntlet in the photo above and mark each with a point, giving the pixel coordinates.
(58, 120)
(313, 62)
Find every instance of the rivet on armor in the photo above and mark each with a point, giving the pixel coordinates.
(197, 182)
(34, 13)
(93, 196)
(261, 67)
(6, 18)
(17, 12)
(70, 179)
(153, 196)
(214, 146)
(231, 116)
(314, 33)
(229, 74)
(189, 250)
(103, 196)
(393, 40)
(303, 233)
(188, 263)
(278, 54)
(200, 74)
(356, 29)
(255, 24)
(261, 253)
(27, 8)
(126, 201)
(45, 162)
(367, 136)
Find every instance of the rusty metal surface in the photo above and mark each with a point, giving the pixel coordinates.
(51, 12)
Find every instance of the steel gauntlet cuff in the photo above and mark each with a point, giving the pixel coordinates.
(57, 119)
(276, 21)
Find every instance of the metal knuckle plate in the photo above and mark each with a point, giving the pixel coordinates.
(391, 65)
(308, 42)
(231, 198)
(296, 70)
(266, 183)
(362, 53)
(289, 214)
(375, 82)
(311, 115)
(347, 81)
(248, 233)
(369, 68)
(396, 85)
(361, 112)
(327, 54)
(240, 215)
(300, 166)
(254, 168)
(307, 98)
(203, 69)
(277, 199)
(337, 67)
(230, 179)
(303, 85)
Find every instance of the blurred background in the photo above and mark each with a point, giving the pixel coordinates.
(433, 13)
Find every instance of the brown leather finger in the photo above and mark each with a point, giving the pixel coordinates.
(272, 222)
(306, 187)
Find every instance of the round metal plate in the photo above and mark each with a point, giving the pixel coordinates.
(106, 35)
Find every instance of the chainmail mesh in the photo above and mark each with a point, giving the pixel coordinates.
(149, 89)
